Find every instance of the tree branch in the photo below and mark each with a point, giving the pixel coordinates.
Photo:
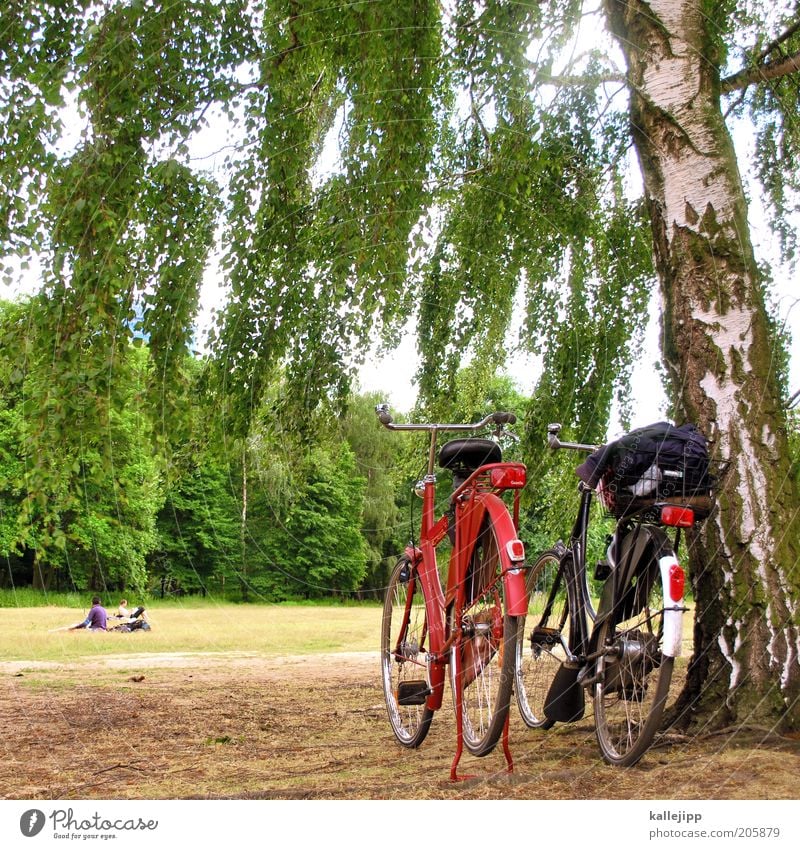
(771, 70)
(774, 45)
(566, 80)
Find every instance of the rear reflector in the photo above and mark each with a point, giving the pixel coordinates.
(515, 549)
(676, 582)
(677, 517)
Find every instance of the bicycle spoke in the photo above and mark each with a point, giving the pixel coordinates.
(633, 682)
(404, 670)
(542, 646)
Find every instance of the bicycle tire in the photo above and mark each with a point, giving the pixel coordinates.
(544, 633)
(633, 675)
(488, 654)
(403, 651)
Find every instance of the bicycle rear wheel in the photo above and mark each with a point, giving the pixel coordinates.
(633, 675)
(487, 648)
(543, 640)
(404, 636)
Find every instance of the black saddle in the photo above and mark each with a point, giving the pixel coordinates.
(466, 455)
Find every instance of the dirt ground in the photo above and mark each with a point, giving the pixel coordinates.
(239, 726)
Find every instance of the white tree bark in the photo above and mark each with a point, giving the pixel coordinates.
(717, 347)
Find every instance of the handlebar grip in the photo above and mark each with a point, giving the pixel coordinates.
(504, 418)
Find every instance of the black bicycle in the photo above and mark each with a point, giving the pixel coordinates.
(620, 645)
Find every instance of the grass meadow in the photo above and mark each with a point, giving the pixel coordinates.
(38, 633)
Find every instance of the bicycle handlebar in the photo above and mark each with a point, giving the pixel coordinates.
(499, 419)
(555, 443)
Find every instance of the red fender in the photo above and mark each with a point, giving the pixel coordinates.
(512, 552)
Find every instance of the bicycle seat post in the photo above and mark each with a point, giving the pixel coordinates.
(432, 451)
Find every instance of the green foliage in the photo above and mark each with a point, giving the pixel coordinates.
(323, 527)
(374, 451)
(36, 44)
(794, 441)
(305, 541)
(770, 103)
(120, 231)
(197, 528)
(447, 163)
(386, 156)
(312, 265)
(109, 489)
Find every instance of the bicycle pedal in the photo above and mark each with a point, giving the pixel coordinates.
(602, 570)
(413, 692)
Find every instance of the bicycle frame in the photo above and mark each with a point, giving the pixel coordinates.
(576, 576)
(471, 505)
(474, 500)
(615, 665)
(672, 575)
(631, 540)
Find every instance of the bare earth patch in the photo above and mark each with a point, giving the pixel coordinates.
(239, 725)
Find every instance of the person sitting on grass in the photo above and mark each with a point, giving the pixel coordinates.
(96, 620)
(124, 613)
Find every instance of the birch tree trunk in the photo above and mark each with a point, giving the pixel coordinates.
(243, 525)
(719, 351)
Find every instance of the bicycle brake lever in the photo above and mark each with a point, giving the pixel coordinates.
(499, 432)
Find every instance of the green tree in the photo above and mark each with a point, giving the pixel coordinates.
(197, 528)
(481, 171)
(110, 484)
(323, 529)
(375, 453)
(304, 519)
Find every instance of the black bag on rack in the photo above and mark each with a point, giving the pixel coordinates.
(660, 462)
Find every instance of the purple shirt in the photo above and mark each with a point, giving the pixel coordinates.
(97, 618)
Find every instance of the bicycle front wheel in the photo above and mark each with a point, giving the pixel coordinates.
(544, 636)
(486, 650)
(404, 638)
(633, 675)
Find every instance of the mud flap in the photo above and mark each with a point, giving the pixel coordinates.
(565, 700)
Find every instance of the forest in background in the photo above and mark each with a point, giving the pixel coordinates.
(177, 505)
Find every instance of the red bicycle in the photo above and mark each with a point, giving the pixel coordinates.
(471, 624)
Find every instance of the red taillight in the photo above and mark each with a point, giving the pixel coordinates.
(676, 582)
(677, 517)
(508, 477)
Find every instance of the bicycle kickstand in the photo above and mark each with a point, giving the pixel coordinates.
(454, 776)
(459, 700)
(506, 747)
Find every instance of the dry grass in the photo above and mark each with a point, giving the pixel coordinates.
(234, 725)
